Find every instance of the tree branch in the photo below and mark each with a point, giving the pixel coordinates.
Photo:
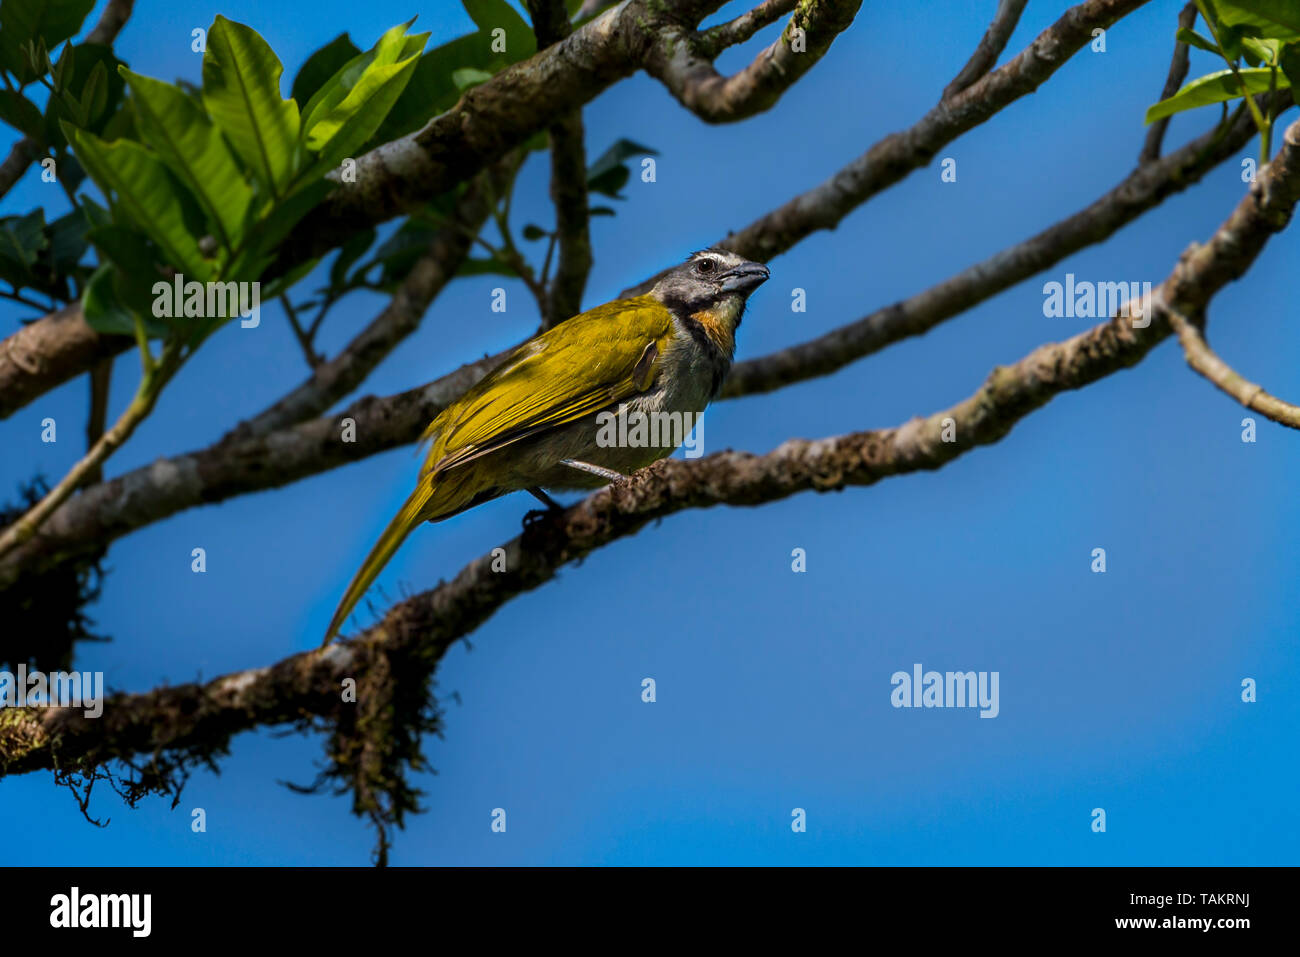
(487, 122)
(27, 150)
(1177, 73)
(333, 379)
(22, 154)
(684, 64)
(572, 226)
(111, 22)
(192, 716)
(151, 493)
(568, 187)
(113, 508)
(1138, 192)
(91, 464)
(48, 352)
(714, 40)
(101, 379)
(990, 46)
(898, 154)
(1204, 360)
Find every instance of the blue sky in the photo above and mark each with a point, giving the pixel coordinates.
(1119, 691)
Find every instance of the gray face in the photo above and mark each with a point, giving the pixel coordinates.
(710, 279)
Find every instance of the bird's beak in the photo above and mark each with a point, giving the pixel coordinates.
(744, 278)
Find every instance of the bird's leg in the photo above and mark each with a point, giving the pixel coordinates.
(609, 475)
(536, 515)
(546, 500)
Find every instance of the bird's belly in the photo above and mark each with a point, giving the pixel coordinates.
(624, 439)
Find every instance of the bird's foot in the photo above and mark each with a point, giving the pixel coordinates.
(537, 517)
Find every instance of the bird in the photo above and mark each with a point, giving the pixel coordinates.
(535, 421)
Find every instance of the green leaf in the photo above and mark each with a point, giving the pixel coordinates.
(105, 309)
(58, 262)
(48, 21)
(431, 89)
(68, 240)
(609, 174)
(321, 66)
(146, 194)
(469, 77)
(601, 211)
(1213, 88)
(533, 231)
(274, 227)
(135, 257)
(61, 68)
(185, 139)
(349, 253)
(96, 215)
(351, 106)
(351, 88)
(1194, 39)
(412, 235)
(399, 252)
(283, 283)
(476, 266)
(1260, 18)
(37, 57)
(94, 97)
(102, 308)
(121, 125)
(21, 240)
(92, 82)
(241, 90)
(1289, 59)
(40, 256)
(611, 182)
(335, 89)
(491, 15)
(70, 171)
(20, 113)
(1260, 52)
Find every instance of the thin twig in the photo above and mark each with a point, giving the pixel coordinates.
(1250, 394)
(714, 40)
(303, 337)
(23, 300)
(563, 291)
(1178, 66)
(101, 377)
(174, 719)
(230, 468)
(150, 387)
(990, 46)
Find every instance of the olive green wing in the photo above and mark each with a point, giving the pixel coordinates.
(583, 365)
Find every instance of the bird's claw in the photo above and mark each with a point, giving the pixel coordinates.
(536, 516)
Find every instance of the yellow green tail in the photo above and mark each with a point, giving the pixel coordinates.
(411, 515)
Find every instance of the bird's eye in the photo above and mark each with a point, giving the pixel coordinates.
(705, 266)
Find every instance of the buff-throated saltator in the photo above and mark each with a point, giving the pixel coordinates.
(532, 423)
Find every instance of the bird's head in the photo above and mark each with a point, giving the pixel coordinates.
(711, 287)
